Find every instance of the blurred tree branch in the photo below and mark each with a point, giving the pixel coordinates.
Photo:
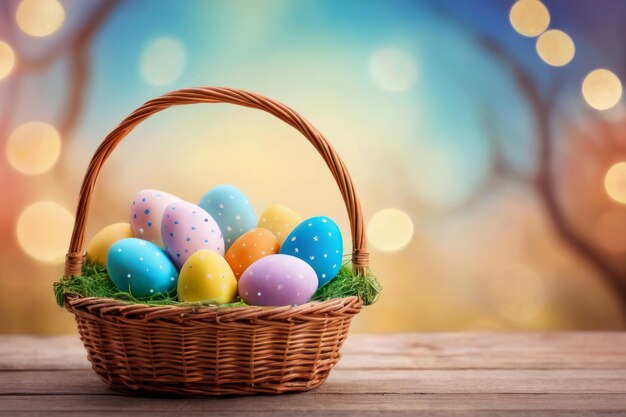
(80, 66)
(77, 48)
(500, 167)
(543, 181)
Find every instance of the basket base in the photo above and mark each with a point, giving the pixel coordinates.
(183, 352)
(210, 392)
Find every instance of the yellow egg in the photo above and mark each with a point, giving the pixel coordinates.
(279, 220)
(101, 242)
(206, 276)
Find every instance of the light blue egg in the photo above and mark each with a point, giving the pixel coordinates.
(231, 210)
(140, 268)
(318, 242)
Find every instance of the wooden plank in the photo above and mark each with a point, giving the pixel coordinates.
(456, 403)
(592, 350)
(570, 350)
(42, 352)
(278, 413)
(323, 413)
(362, 382)
(319, 413)
(400, 374)
(475, 381)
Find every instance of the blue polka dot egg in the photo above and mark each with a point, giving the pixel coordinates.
(140, 268)
(231, 210)
(318, 242)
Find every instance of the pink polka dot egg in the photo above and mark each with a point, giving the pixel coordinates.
(278, 280)
(146, 213)
(186, 229)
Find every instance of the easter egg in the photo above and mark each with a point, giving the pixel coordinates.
(146, 213)
(140, 268)
(206, 276)
(231, 210)
(277, 280)
(100, 243)
(186, 229)
(318, 242)
(249, 248)
(279, 220)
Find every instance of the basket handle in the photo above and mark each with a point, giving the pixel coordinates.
(360, 256)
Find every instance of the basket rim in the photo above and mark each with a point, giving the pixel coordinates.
(75, 303)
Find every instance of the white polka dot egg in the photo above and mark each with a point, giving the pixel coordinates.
(140, 268)
(207, 277)
(249, 248)
(231, 210)
(318, 242)
(186, 229)
(279, 220)
(146, 213)
(277, 280)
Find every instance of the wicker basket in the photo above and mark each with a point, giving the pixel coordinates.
(207, 351)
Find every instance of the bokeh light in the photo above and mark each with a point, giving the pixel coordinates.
(602, 89)
(33, 147)
(390, 230)
(44, 230)
(615, 182)
(555, 47)
(529, 17)
(163, 61)
(40, 17)
(393, 69)
(516, 292)
(7, 59)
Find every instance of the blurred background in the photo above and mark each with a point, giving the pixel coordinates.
(485, 137)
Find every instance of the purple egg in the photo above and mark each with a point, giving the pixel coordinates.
(186, 229)
(277, 280)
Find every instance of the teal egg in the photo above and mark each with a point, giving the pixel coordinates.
(140, 268)
(231, 210)
(317, 241)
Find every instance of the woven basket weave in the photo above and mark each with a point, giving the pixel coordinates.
(207, 351)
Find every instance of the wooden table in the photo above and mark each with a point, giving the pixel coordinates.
(437, 374)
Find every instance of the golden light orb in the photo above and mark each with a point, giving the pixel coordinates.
(44, 230)
(40, 17)
(529, 17)
(615, 182)
(163, 61)
(33, 147)
(602, 89)
(393, 69)
(555, 47)
(390, 230)
(7, 59)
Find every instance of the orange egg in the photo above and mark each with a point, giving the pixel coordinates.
(249, 248)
